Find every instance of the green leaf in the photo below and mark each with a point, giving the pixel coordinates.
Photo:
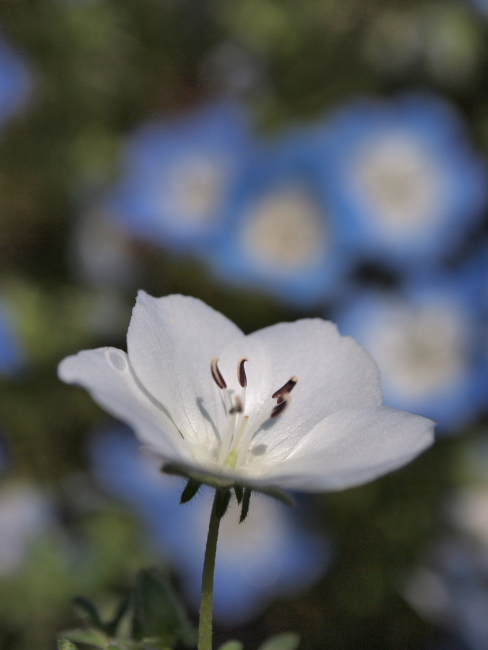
(90, 636)
(285, 641)
(232, 645)
(158, 613)
(64, 644)
(87, 610)
(190, 490)
(110, 628)
(153, 644)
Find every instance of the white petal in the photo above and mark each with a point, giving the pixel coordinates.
(334, 373)
(171, 342)
(108, 377)
(352, 447)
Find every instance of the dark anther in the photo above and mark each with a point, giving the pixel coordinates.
(241, 373)
(217, 377)
(284, 390)
(280, 407)
(237, 408)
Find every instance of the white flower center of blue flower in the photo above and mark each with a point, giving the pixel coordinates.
(419, 351)
(401, 183)
(195, 188)
(284, 231)
(236, 438)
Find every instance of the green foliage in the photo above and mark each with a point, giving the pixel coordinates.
(90, 636)
(150, 618)
(157, 612)
(232, 645)
(64, 644)
(286, 641)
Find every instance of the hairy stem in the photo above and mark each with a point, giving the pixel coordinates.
(206, 603)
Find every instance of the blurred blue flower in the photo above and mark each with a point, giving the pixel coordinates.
(11, 354)
(279, 235)
(177, 175)
(269, 554)
(25, 513)
(15, 82)
(402, 178)
(450, 589)
(428, 343)
(480, 5)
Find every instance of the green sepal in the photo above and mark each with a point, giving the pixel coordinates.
(213, 481)
(158, 614)
(90, 636)
(239, 491)
(222, 482)
(285, 641)
(246, 500)
(222, 502)
(232, 645)
(87, 610)
(190, 490)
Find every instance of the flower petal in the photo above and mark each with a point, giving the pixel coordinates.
(107, 375)
(171, 342)
(352, 447)
(334, 373)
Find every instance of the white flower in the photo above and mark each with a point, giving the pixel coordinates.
(295, 405)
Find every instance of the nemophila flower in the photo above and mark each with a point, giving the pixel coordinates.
(480, 5)
(428, 344)
(403, 178)
(11, 355)
(279, 234)
(101, 252)
(271, 555)
(293, 406)
(450, 590)
(177, 175)
(25, 513)
(15, 82)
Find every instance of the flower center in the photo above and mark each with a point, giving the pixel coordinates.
(238, 433)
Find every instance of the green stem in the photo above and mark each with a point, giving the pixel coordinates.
(206, 604)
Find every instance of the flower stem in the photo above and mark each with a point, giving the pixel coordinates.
(206, 603)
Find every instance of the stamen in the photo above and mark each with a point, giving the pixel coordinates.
(237, 408)
(241, 373)
(240, 431)
(240, 428)
(228, 437)
(285, 390)
(281, 406)
(217, 377)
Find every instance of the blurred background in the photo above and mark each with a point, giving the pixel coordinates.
(278, 159)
